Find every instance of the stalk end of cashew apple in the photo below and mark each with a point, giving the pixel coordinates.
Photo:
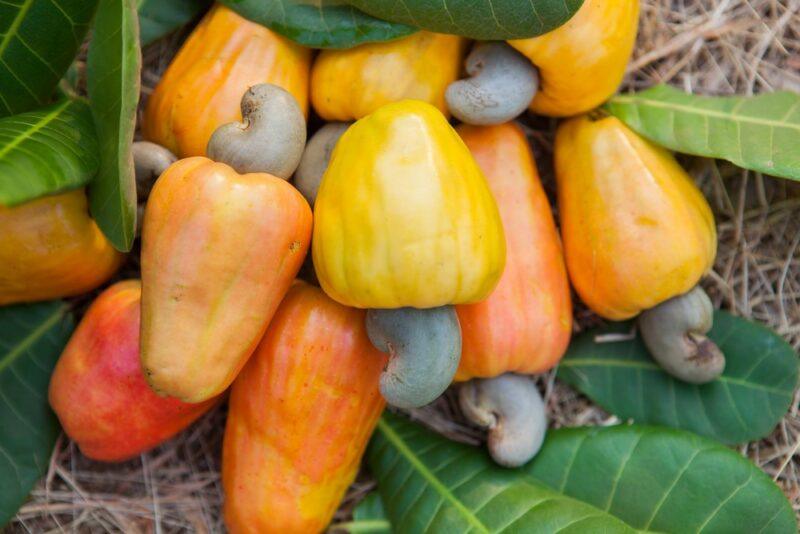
(424, 347)
(513, 411)
(675, 334)
(501, 85)
(150, 160)
(270, 138)
(315, 159)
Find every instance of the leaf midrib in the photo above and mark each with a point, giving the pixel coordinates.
(20, 348)
(124, 15)
(364, 525)
(12, 30)
(585, 362)
(426, 473)
(44, 121)
(642, 101)
(120, 229)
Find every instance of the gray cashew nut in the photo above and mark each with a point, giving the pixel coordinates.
(674, 333)
(501, 86)
(315, 159)
(512, 409)
(424, 348)
(149, 161)
(270, 138)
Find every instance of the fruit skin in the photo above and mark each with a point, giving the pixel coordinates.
(350, 84)
(582, 63)
(99, 392)
(202, 87)
(301, 414)
(525, 324)
(636, 229)
(219, 251)
(52, 248)
(404, 216)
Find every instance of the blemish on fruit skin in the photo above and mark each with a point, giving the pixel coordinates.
(178, 292)
(295, 246)
(646, 221)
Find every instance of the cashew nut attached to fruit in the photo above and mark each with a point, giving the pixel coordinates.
(424, 347)
(315, 159)
(674, 332)
(150, 161)
(270, 138)
(511, 408)
(501, 86)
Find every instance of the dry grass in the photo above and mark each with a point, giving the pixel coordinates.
(708, 46)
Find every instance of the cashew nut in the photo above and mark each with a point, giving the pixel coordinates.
(511, 408)
(149, 161)
(270, 138)
(424, 348)
(502, 85)
(674, 332)
(315, 159)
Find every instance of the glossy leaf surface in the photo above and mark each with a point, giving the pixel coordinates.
(492, 19)
(158, 18)
(744, 404)
(319, 23)
(113, 68)
(38, 41)
(759, 132)
(31, 339)
(46, 151)
(662, 480)
(589, 479)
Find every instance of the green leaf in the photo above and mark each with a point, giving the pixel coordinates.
(744, 404)
(113, 69)
(68, 85)
(319, 23)
(616, 479)
(46, 151)
(31, 339)
(38, 41)
(368, 518)
(664, 480)
(759, 133)
(429, 484)
(493, 19)
(158, 18)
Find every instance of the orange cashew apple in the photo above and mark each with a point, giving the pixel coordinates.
(582, 63)
(220, 248)
(638, 234)
(301, 413)
(525, 324)
(221, 59)
(52, 248)
(350, 84)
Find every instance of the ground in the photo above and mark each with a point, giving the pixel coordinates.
(705, 46)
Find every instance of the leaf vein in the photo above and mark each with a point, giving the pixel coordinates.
(434, 481)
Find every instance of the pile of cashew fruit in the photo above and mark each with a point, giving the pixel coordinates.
(434, 254)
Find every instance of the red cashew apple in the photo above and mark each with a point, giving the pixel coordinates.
(99, 392)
